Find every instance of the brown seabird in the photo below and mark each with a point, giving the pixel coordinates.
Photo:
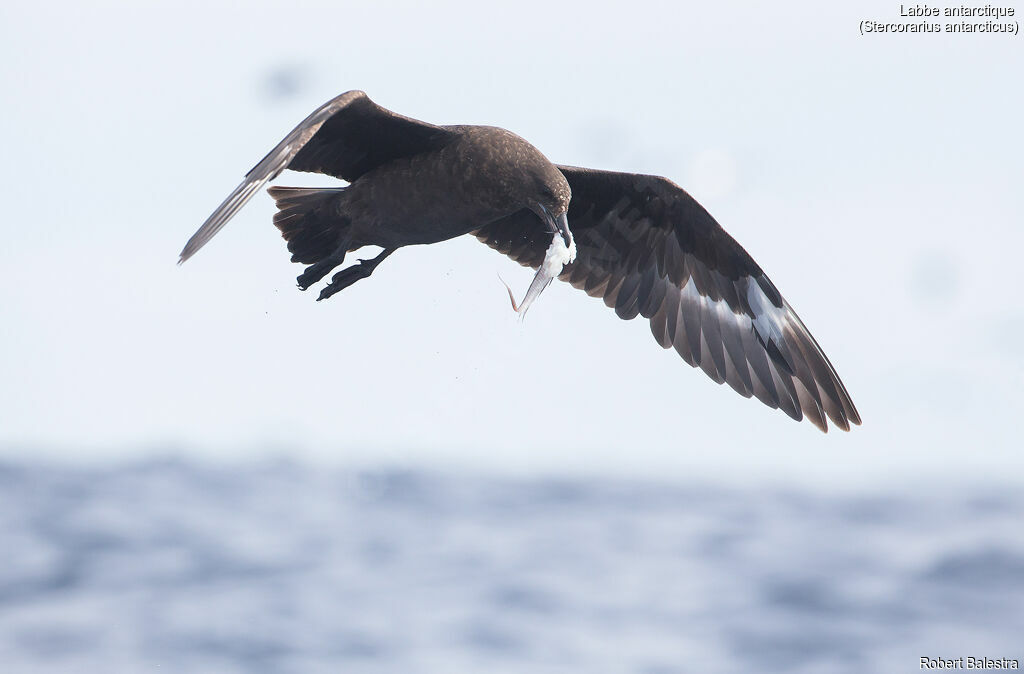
(640, 242)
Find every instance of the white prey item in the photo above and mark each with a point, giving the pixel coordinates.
(557, 256)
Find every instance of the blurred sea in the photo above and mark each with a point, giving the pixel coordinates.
(176, 566)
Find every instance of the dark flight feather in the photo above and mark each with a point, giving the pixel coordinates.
(345, 137)
(648, 248)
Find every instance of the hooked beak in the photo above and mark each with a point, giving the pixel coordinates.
(557, 224)
(560, 225)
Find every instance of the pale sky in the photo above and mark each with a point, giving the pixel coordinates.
(877, 180)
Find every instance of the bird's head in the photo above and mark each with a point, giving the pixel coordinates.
(549, 199)
(511, 174)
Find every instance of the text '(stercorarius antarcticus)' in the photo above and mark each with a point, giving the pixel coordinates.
(640, 242)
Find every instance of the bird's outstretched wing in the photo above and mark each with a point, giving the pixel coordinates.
(648, 248)
(345, 137)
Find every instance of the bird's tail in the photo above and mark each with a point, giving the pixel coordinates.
(310, 221)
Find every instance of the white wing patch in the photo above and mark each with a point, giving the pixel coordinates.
(768, 318)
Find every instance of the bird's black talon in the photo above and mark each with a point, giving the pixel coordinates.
(342, 280)
(347, 277)
(318, 270)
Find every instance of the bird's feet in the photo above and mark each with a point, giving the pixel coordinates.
(315, 272)
(345, 278)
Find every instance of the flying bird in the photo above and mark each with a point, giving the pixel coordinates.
(640, 242)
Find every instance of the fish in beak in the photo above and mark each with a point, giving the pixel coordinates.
(561, 252)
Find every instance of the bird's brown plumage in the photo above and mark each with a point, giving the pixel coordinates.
(643, 244)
